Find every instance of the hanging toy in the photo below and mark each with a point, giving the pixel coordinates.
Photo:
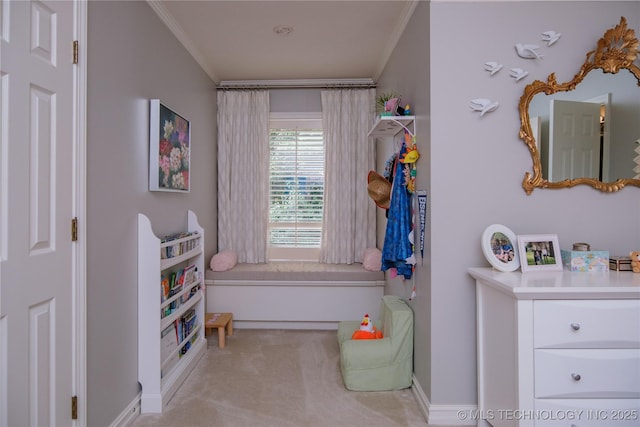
(410, 155)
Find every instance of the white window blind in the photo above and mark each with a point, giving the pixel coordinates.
(296, 186)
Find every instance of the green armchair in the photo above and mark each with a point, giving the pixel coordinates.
(379, 364)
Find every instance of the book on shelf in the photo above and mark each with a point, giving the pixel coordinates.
(165, 287)
(185, 326)
(189, 274)
(173, 283)
(168, 345)
(190, 277)
(173, 250)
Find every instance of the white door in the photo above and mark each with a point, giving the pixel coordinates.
(574, 140)
(36, 193)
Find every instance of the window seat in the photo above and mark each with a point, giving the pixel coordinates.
(296, 271)
(294, 295)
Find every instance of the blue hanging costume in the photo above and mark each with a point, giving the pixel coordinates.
(398, 247)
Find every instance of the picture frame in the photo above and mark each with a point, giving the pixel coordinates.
(169, 149)
(539, 252)
(499, 246)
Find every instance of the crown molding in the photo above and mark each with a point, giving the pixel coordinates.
(403, 21)
(182, 37)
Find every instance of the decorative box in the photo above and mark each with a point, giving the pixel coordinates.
(620, 263)
(586, 260)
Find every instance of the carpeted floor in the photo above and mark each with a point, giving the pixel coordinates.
(279, 378)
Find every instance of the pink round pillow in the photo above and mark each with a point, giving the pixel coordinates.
(223, 261)
(372, 259)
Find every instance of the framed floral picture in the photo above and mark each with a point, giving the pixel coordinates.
(169, 149)
(499, 247)
(539, 252)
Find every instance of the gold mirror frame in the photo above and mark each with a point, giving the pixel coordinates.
(616, 50)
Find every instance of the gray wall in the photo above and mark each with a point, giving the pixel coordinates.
(407, 74)
(473, 167)
(133, 57)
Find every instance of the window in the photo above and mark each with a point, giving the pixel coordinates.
(296, 187)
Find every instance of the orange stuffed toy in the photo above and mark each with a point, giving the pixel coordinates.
(367, 330)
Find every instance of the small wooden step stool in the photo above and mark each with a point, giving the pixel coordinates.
(220, 321)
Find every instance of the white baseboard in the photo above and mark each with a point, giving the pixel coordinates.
(450, 415)
(130, 413)
(248, 324)
(421, 398)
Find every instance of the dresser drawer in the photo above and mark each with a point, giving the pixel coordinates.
(587, 412)
(593, 373)
(586, 324)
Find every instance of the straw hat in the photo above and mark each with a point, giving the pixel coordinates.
(379, 189)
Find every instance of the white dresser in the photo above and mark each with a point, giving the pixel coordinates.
(558, 348)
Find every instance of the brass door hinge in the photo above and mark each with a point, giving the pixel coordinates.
(75, 51)
(74, 407)
(74, 229)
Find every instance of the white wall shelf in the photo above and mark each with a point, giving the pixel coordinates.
(162, 368)
(392, 125)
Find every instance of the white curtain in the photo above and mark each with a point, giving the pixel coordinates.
(243, 173)
(349, 219)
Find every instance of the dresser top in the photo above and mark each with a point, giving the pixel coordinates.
(561, 284)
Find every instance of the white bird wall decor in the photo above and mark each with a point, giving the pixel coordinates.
(551, 37)
(483, 105)
(528, 51)
(492, 67)
(518, 74)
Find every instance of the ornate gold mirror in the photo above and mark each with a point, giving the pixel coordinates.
(588, 134)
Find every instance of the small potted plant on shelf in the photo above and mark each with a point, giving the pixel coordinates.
(387, 103)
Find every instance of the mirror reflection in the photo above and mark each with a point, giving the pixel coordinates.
(592, 131)
(587, 131)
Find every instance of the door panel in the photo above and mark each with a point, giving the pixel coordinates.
(574, 140)
(36, 189)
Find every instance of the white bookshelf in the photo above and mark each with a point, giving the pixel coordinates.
(162, 368)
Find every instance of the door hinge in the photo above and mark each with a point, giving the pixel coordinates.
(75, 51)
(74, 229)
(74, 407)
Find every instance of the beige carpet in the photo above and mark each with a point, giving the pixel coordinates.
(279, 378)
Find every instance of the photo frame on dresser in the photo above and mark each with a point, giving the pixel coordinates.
(499, 247)
(539, 252)
(169, 149)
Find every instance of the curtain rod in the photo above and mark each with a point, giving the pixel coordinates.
(297, 84)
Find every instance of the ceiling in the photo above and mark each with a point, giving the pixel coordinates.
(331, 39)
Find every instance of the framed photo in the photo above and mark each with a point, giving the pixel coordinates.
(539, 252)
(169, 149)
(499, 247)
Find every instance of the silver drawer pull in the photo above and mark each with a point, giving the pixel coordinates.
(576, 377)
(575, 326)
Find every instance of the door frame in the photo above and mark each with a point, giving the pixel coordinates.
(79, 209)
(605, 101)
